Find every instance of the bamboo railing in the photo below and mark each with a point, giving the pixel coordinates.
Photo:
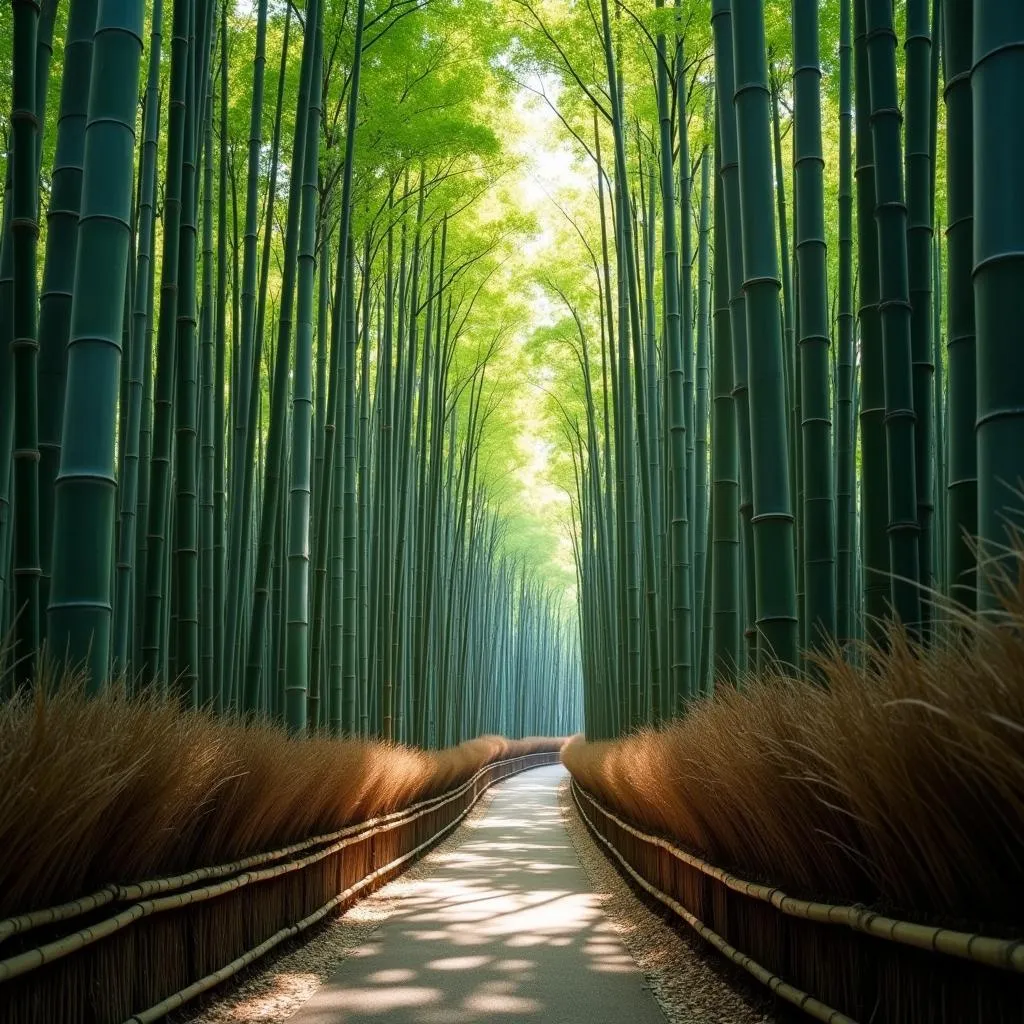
(839, 964)
(131, 954)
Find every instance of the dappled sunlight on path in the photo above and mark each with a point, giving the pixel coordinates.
(505, 928)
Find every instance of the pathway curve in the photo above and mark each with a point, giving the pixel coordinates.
(507, 928)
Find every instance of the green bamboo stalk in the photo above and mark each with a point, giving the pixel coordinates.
(629, 328)
(338, 342)
(79, 615)
(721, 25)
(702, 493)
(874, 458)
(184, 646)
(941, 438)
(408, 350)
(128, 488)
(207, 614)
(725, 486)
(276, 438)
(788, 305)
(349, 519)
(845, 465)
(324, 328)
(297, 638)
(997, 74)
(818, 507)
(430, 517)
(154, 642)
(328, 310)
(919, 178)
(44, 58)
(59, 262)
(385, 500)
(962, 488)
(146, 423)
(221, 359)
(44, 53)
(687, 313)
(894, 308)
(246, 393)
(773, 525)
(680, 630)
(6, 399)
(24, 345)
(614, 509)
(362, 624)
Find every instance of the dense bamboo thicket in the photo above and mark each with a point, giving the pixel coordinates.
(788, 384)
(256, 341)
(774, 342)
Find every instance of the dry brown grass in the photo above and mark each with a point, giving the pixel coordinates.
(900, 784)
(120, 789)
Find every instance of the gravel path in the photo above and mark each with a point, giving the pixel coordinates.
(280, 985)
(505, 929)
(690, 984)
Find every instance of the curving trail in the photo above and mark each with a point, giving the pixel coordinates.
(506, 928)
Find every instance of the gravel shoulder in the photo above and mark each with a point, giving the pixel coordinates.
(690, 982)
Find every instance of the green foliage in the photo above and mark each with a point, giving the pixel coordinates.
(526, 411)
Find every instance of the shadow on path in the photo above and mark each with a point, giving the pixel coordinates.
(506, 928)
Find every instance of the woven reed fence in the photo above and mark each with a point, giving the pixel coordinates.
(839, 964)
(130, 954)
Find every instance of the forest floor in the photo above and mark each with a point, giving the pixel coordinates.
(516, 917)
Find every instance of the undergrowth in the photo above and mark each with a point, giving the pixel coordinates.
(122, 789)
(898, 784)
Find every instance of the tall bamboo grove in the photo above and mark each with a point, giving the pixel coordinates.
(246, 372)
(798, 380)
(252, 455)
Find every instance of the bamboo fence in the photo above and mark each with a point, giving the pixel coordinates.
(130, 954)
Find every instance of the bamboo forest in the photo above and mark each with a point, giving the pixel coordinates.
(511, 510)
